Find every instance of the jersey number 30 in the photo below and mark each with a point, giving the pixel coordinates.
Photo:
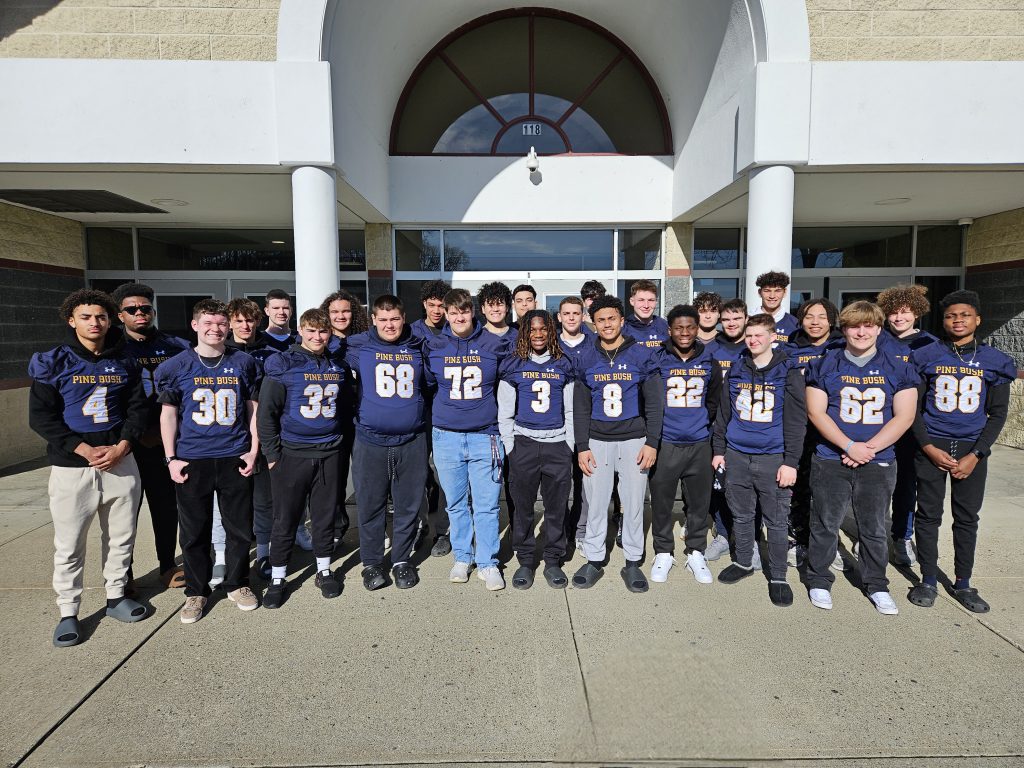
(219, 406)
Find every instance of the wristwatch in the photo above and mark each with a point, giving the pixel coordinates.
(169, 459)
(978, 453)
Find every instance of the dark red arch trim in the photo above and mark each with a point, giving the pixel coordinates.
(437, 52)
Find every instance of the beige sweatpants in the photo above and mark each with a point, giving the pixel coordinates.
(77, 495)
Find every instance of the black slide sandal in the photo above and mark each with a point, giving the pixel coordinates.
(634, 579)
(128, 611)
(587, 576)
(67, 633)
(556, 577)
(523, 577)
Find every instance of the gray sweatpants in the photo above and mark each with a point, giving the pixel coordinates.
(613, 458)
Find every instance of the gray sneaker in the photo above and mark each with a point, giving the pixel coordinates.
(719, 546)
(755, 562)
(459, 573)
(492, 576)
(903, 552)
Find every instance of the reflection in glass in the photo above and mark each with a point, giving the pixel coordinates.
(851, 247)
(725, 287)
(585, 134)
(938, 286)
(640, 249)
(174, 313)
(351, 250)
(109, 248)
(409, 292)
(470, 134)
(418, 250)
(716, 249)
(229, 249)
(939, 246)
(527, 250)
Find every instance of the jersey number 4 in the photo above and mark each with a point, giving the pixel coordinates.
(215, 406)
(953, 394)
(466, 382)
(96, 406)
(684, 393)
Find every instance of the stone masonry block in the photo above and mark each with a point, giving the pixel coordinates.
(996, 22)
(28, 46)
(165, 21)
(848, 24)
(84, 46)
(106, 20)
(946, 23)
(967, 48)
(134, 47)
(236, 4)
(829, 49)
(243, 47)
(828, 5)
(190, 47)
(1007, 49)
(873, 5)
(215, 21)
(894, 48)
(893, 23)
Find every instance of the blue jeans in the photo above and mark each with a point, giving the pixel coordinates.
(470, 462)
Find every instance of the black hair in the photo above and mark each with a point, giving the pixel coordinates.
(387, 302)
(434, 289)
(522, 348)
(131, 289)
(490, 293)
(772, 280)
(734, 305)
(607, 302)
(970, 298)
(831, 312)
(708, 300)
(277, 293)
(683, 310)
(87, 297)
(524, 287)
(592, 289)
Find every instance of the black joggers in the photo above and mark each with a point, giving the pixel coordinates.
(534, 464)
(293, 479)
(691, 465)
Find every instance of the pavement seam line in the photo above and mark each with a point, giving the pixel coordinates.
(985, 624)
(579, 665)
(89, 694)
(26, 533)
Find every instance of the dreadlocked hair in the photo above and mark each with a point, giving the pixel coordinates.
(523, 348)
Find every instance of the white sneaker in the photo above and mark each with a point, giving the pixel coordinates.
(903, 552)
(719, 546)
(492, 576)
(884, 603)
(840, 564)
(459, 573)
(821, 598)
(217, 578)
(682, 532)
(302, 538)
(663, 563)
(796, 555)
(579, 549)
(755, 562)
(698, 566)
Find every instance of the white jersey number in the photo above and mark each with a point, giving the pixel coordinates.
(953, 394)
(391, 380)
(543, 401)
(684, 393)
(758, 406)
(466, 382)
(215, 406)
(96, 406)
(321, 401)
(611, 397)
(856, 407)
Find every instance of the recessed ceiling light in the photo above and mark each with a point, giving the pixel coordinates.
(893, 201)
(168, 201)
(277, 242)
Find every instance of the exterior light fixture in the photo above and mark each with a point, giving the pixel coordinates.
(893, 201)
(277, 242)
(532, 161)
(168, 201)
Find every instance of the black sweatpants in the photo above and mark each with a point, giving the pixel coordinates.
(966, 499)
(534, 464)
(195, 522)
(293, 480)
(691, 466)
(341, 521)
(403, 470)
(160, 495)
(434, 503)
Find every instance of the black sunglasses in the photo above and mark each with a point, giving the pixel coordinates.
(145, 308)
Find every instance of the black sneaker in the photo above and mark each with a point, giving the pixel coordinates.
(405, 576)
(442, 546)
(374, 577)
(780, 593)
(275, 594)
(263, 569)
(328, 583)
(617, 520)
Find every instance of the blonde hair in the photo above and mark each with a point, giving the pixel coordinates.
(861, 313)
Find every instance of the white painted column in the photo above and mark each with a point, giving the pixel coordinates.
(315, 220)
(769, 227)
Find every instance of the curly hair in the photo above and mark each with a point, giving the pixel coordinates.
(360, 320)
(87, 297)
(607, 302)
(970, 298)
(707, 300)
(683, 310)
(523, 347)
(491, 293)
(434, 289)
(892, 300)
(131, 289)
(772, 280)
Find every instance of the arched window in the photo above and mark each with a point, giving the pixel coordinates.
(530, 77)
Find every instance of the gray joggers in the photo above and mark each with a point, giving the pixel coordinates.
(613, 458)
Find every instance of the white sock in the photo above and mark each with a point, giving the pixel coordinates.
(278, 571)
(323, 563)
(262, 550)
(219, 558)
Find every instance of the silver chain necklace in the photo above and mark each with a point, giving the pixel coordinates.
(974, 351)
(211, 367)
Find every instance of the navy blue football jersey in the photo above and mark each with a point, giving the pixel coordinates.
(281, 344)
(650, 335)
(725, 353)
(211, 400)
(903, 348)
(686, 382)
(424, 331)
(313, 384)
(614, 379)
(957, 387)
(466, 371)
(393, 380)
(785, 328)
(150, 352)
(803, 356)
(756, 398)
(540, 389)
(859, 397)
(95, 394)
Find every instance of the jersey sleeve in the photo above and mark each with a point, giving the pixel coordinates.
(812, 375)
(40, 368)
(1004, 372)
(907, 377)
(165, 379)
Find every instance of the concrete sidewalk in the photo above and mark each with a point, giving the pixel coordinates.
(452, 674)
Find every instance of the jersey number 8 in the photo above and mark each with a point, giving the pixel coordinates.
(611, 397)
(391, 380)
(213, 406)
(953, 394)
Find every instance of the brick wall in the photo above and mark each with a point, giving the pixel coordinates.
(995, 269)
(237, 30)
(919, 30)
